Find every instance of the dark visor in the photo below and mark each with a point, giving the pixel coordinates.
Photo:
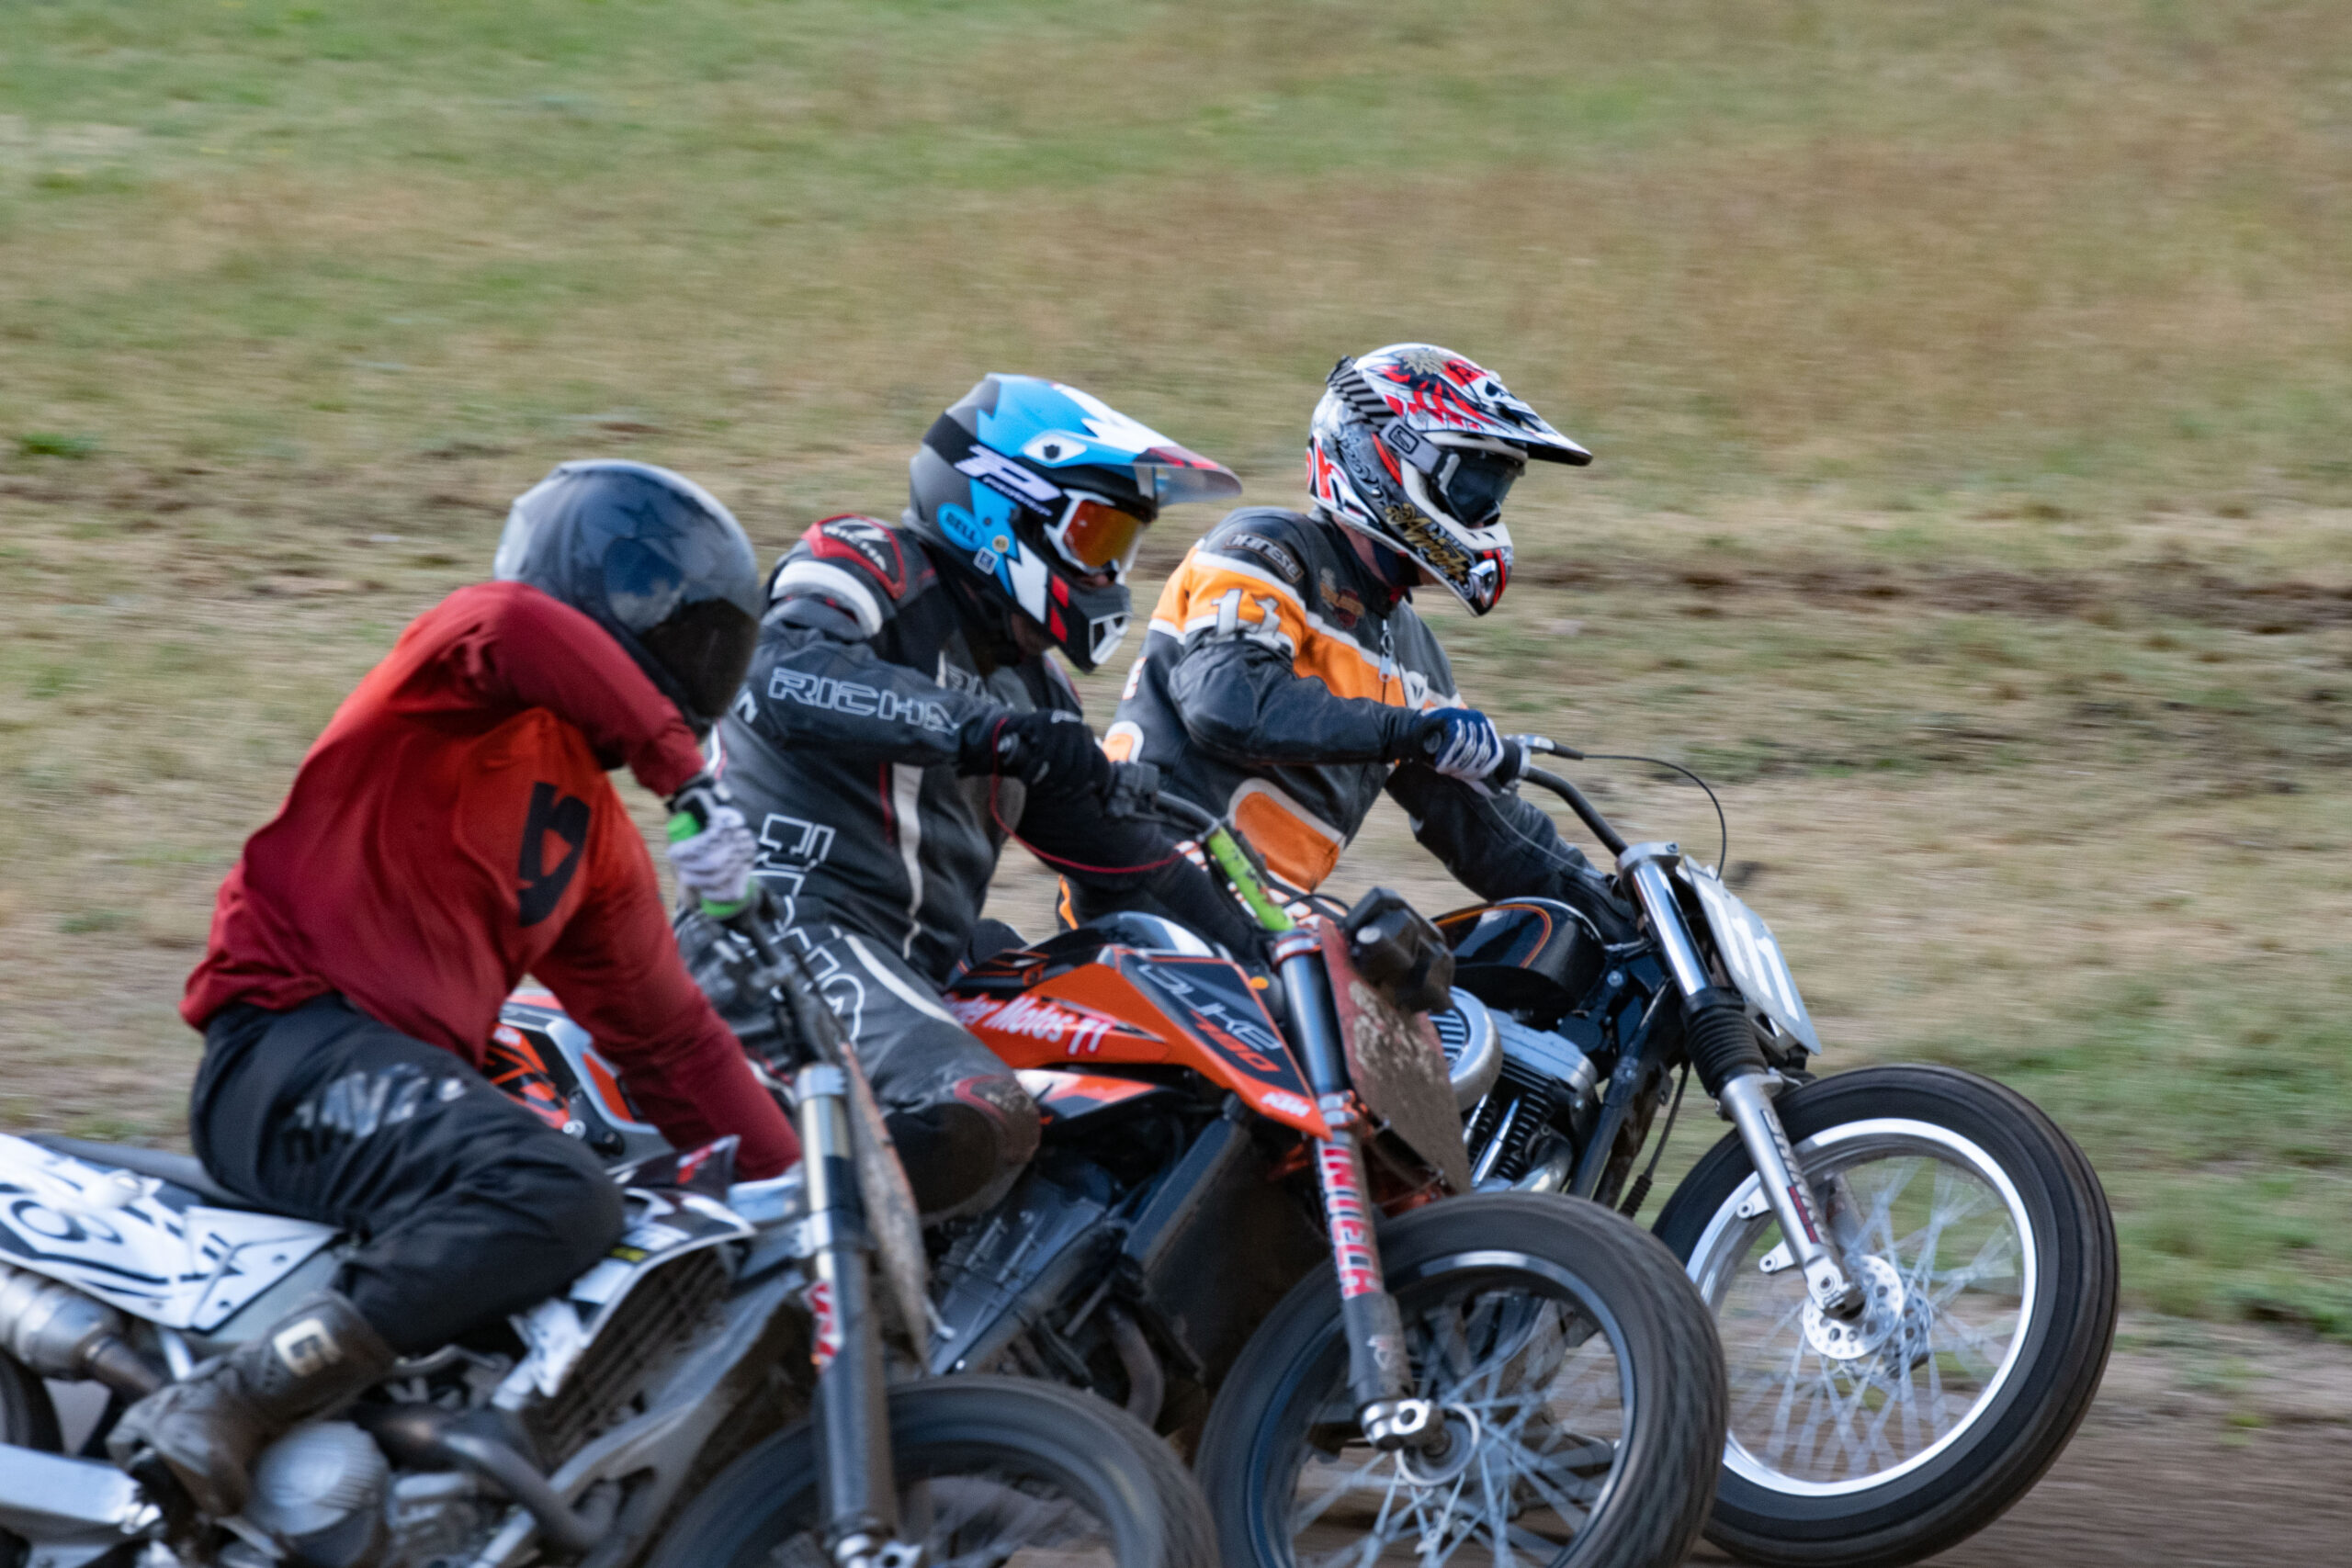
(1473, 484)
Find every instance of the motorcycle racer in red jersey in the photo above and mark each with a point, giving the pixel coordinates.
(451, 830)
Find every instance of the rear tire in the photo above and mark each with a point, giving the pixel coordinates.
(1621, 1337)
(1011, 1442)
(1974, 1388)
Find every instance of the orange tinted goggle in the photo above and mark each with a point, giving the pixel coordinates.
(1097, 536)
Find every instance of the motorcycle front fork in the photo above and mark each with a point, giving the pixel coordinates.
(1379, 1372)
(859, 1492)
(1745, 1093)
(1815, 1241)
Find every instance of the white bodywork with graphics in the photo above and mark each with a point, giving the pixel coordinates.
(140, 1244)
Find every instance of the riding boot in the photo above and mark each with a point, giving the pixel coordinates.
(210, 1428)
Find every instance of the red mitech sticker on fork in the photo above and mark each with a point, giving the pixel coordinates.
(1351, 1240)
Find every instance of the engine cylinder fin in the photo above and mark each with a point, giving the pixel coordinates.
(1521, 1111)
(659, 1318)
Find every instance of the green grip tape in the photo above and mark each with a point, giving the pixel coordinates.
(1238, 870)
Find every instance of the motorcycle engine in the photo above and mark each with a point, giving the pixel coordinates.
(1525, 1130)
(1472, 1047)
(320, 1490)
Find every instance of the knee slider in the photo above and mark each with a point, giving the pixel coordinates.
(1011, 1113)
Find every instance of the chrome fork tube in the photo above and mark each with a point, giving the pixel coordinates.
(1749, 1102)
(861, 1494)
(1649, 876)
(1746, 1091)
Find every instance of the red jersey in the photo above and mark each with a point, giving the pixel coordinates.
(453, 830)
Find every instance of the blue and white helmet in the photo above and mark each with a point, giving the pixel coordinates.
(1043, 492)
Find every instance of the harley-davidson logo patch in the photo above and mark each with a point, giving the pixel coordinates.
(1345, 604)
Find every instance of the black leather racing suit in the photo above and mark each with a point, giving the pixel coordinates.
(1279, 678)
(840, 751)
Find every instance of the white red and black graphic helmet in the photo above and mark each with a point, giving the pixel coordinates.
(1416, 446)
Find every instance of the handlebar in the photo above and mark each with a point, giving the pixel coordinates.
(1516, 766)
(1587, 813)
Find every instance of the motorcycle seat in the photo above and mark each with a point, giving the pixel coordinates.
(185, 1171)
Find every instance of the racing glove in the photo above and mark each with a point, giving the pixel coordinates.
(1461, 743)
(1040, 748)
(711, 846)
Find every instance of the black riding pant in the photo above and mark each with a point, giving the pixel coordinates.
(963, 1124)
(468, 1207)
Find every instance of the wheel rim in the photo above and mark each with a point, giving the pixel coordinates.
(971, 1515)
(1949, 1259)
(1529, 1370)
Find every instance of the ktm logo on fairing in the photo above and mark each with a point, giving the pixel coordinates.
(565, 818)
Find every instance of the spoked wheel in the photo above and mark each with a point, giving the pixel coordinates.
(993, 1472)
(1987, 1258)
(1579, 1380)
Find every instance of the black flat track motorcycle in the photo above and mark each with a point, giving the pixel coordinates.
(1913, 1269)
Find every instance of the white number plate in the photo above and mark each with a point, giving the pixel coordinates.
(1753, 957)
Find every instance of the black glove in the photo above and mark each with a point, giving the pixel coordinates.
(1041, 747)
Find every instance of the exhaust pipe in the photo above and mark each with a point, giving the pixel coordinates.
(48, 1499)
(424, 1437)
(60, 1333)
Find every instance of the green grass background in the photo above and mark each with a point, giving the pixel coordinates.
(1970, 386)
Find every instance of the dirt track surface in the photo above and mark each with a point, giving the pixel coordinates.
(2206, 1446)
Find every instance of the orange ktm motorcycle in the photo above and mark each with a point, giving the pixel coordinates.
(1249, 1224)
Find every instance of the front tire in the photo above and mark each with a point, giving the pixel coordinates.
(1586, 1376)
(1991, 1259)
(989, 1469)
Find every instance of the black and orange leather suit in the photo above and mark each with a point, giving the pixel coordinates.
(1280, 682)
